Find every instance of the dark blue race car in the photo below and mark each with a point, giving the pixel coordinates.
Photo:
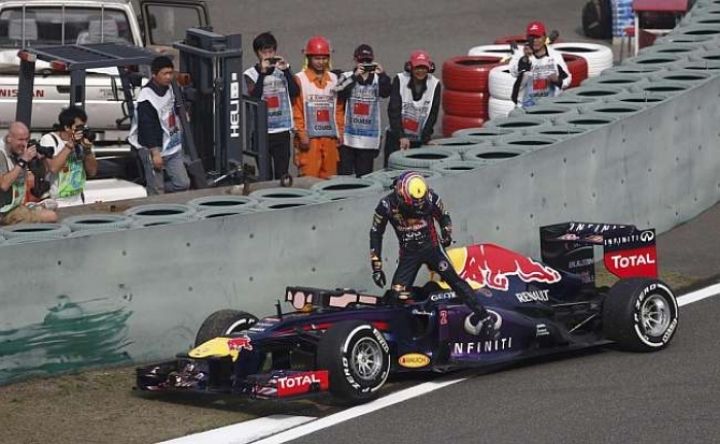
(347, 342)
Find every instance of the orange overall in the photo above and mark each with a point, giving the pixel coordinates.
(321, 158)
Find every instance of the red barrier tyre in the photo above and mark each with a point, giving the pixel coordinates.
(465, 104)
(578, 68)
(451, 123)
(467, 73)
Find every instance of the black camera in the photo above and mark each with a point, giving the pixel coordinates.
(47, 151)
(88, 134)
(273, 60)
(369, 67)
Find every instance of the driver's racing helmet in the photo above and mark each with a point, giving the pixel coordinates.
(412, 190)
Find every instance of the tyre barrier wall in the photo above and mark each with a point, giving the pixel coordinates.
(140, 294)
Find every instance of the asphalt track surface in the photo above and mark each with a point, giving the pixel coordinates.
(599, 396)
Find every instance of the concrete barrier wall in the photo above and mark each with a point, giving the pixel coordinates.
(141, 294)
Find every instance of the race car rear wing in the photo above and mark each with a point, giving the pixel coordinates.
(627, 250)
(302, 297)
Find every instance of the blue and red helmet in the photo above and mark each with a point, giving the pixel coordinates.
(411, 189)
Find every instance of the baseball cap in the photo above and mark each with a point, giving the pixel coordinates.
(420, 58)
(364, 52)
(535, 29)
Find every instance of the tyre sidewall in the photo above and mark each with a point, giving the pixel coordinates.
(654, 288)
(364, 388)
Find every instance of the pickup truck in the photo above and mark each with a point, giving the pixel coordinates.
(25, 23)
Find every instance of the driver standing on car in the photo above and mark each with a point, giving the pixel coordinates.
(412, 209)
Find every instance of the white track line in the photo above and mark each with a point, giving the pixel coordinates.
(280, 430)
(354, 412)
(244, 432)
(699, 295)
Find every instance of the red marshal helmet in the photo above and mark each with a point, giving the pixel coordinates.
(317, 46)
(535, 29)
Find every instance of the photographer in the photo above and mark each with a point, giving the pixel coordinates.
(539, 69)
(73, 159)
(272, 80)
(16, 178)
(362, 90)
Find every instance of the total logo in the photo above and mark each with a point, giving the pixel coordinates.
(627, 261)
(414, 360)
(303, 382)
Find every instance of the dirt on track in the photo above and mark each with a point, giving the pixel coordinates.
(100, 406)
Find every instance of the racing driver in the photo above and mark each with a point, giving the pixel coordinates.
(412, 209)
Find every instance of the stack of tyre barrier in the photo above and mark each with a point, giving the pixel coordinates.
(465, 91)
(583, 60)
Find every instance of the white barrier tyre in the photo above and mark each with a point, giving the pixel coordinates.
(681, 75)
(224, 323)
(500, 82)
(498, 108)
(357, 358)
(98, 221)
(40, 230)
(492, 153)
(640, 314)
(661, 87)
(491, 50)
(177, 211)
(212, 213)
(544, 109)
(344, 187)
(521, 123)
(459, 144)
(387, 177)
(672, 48)
(457, 166)
(598, 57)
(281, 204)
(222, 201)
(615, 79)
(421, 157)
(282, 193)
(144, 222)
(87, 232)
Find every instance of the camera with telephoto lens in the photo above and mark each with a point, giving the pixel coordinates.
(88, 134)
(47, 151)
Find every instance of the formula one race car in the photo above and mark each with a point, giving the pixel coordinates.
(347, 343)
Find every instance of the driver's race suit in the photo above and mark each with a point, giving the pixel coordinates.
(419, 244)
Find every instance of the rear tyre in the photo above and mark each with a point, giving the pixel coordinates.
(640, 314)
(224, 323)
(357, 357)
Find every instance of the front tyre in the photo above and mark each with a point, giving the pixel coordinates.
(640, 314)
(223, 323)
(357, 357)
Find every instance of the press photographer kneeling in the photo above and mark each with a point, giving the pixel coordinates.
(74, 160)
(21, 179)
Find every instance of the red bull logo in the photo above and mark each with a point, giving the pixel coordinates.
(238, 344)
(490, 265)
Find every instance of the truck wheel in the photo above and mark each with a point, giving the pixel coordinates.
(640, 314)
(357, 356)
(223, 323)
